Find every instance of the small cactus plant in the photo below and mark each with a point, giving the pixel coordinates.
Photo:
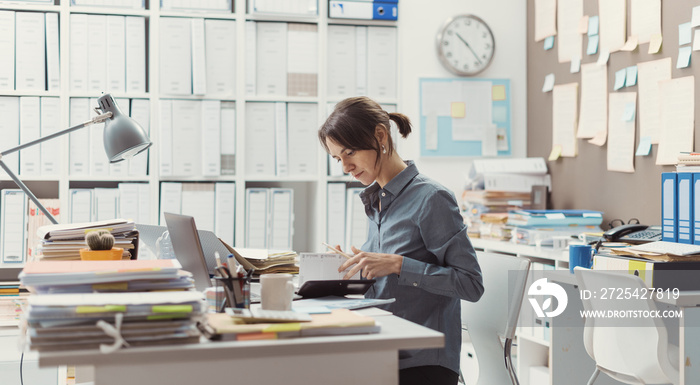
(99, 240)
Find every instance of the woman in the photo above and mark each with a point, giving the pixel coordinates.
(417, 248)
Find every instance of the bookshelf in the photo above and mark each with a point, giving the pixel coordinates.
(310, 190)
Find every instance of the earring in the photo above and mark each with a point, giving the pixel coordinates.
(383, 149)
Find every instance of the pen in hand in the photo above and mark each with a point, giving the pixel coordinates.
(348, 256)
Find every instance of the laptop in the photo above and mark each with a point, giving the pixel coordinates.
(188, 248)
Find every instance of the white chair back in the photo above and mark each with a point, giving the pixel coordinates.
(495, 315)
(631, 349)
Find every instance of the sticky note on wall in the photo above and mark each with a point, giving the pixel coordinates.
(458, 109)
(498, 92)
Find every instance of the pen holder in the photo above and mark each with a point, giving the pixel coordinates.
(237, 292)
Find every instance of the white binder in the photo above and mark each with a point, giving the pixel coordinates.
(228, 138)
(281, 219)
(225, 211)
(80, 139)
(250, 57)
(381, 62)
(135, 54)
(53, 69)
(335, 214)
(357, 225)
(30, 52)
(29, 129)
(211, 135)
(186, 137)
(99, 163)
(13, 222)
(116, 54)
(97, 53)
(220, 57)
(175, 56)
(199, 68)
(256, 218)
(170, 199)
(129, 207)
(198, 201)
(9, 130)
(141, 112)
(281, 143)
(78, 52)
(50, 123)
(80, 201)
(106, 202)
(260, 139)
(341, 61)
(7, 47)
(166, 138)
(303, 148)
(271, 59)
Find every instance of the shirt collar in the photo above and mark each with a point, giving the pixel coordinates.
(394, 186)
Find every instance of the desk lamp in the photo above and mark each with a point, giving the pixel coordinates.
(123, 138)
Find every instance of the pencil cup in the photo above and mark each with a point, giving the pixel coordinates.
(580, 255)
(237, 292)
(276, 292)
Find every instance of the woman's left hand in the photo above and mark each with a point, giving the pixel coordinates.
(373, 265)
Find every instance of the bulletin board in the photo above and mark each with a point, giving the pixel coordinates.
(583, 182)
(465, 117)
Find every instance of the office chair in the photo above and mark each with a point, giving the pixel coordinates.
(495, 316)
(630, 350)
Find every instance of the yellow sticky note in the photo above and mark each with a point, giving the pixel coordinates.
(556, 152)
(283, 327)
(171, 309)
(655, 43)
(458, 109)
(100, 309)
(498, 92)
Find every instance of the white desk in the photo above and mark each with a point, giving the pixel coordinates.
(338, 360)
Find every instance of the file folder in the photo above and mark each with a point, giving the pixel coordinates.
(368, 10)
(685, 207)
(696, 208)
(669, 206)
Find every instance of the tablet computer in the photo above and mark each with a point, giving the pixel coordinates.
(340, 287)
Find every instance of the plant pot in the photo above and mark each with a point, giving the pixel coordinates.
(101, 255)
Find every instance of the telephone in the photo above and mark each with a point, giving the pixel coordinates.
(633, 233)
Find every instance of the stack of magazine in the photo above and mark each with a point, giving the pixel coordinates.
(64, 241)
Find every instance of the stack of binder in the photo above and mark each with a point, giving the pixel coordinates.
(263, 261)
(110, 321)
(63, 242)
(541, 226)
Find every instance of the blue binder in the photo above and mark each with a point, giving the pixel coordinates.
(669, 206)
(685, 207)
(696, 208)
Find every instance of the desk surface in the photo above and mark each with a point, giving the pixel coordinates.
(396, 334)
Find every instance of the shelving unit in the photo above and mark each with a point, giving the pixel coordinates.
(531, 350)
(310, 197)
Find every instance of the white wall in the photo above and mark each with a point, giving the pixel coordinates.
(419, 23)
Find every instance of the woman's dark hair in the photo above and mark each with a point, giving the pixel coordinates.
(354, 121)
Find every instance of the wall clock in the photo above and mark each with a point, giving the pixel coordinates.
(465, 45)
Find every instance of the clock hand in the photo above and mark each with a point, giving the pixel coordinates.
(470, 48)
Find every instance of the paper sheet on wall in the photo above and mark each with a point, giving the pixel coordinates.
(613, 24)
(621, 132)
(437, 97)
(545, 19)
(564, 118)
(477, 114)
(570, 41)
(676, 112)
(648, 76)
(431, 131)
(594, 101)
(645, 19)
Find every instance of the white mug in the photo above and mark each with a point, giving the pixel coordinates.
(276, 292)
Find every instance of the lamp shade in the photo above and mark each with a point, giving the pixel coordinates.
(123, 137)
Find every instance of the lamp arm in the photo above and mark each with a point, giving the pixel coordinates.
(96, 119)
(28, 192)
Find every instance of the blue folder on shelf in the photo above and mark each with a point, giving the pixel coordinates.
(685, 207)
(555, 218)
(696, 208)
(367, 10)
(669, 206)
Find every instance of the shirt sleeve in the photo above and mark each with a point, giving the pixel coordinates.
(457, 273)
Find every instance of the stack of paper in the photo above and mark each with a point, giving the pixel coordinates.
(549, 218)
(110, 321)
(12, 299)
(48, 277)
(64, 241)
(338, 322)
(263, 261)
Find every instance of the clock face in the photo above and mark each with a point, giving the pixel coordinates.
(465, 45)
